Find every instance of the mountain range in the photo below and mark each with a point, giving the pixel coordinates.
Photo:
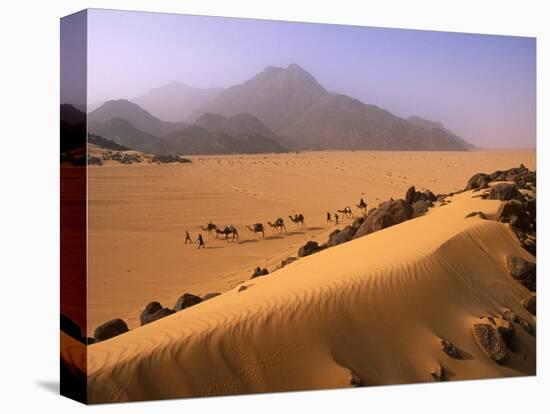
(276, 110)
(126, 123)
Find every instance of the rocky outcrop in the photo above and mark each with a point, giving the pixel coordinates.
(505, 192)
(523, 271)
(309, 248)
(110, 329)
(490, 340)
(385, 215)
(152, 312)
(530, 304)
(259, 272)
(186, 300)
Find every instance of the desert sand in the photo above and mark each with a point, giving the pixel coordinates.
(375, 308)
(138, 215)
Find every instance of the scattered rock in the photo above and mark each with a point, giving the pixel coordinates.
(523, 271)
(259, 272)
(477, 181)
(186, 300)
(440, 375)
(491, 341)
(526, 326)
(421, 207)
(339, 237)
(386, 215)
(241, 288)
(152, 312)
(480, 214)
(505, 192)
(530, 304)
(309, 248)
(110, 329)
(288, 260)
(509, 315)
(409, 195)
(450, 349)
(210, 295)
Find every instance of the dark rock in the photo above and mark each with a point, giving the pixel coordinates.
(259, 272)
(357, 222)
(490, 341)
(243, 287)
(152, 312)
(477, 181)
(526, 325)
(523, 271)
(509, 315)
(186, 300)
(429, 196)
(110, 329)
(340, 237)
(386, 215)
(309, 248)
(480, 214)
(288, 260)
(210, 295)
(505, 192)
(450, 349)
(530, 304)
(421, 207)
(409, 195)
(508, 334)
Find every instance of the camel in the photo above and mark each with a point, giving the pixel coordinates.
(297, 219)
(278, 225)
(362, 206)
(257, 228)
(346, 212)
(227, 230)
(210, 227)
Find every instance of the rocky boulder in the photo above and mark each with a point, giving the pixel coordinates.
(505, 192)
(152, 312)
(186, 300)
(259, 272)
(490, 341)
(309, 248)
(479, 180)
(385, 215)
(110, 329)
(409, 194)
(339, 237)
(530, 304)
(523, 271)
(421, 207)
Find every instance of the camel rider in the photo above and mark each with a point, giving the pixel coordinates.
(200, 241)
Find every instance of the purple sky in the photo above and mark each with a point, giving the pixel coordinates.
(480, 86)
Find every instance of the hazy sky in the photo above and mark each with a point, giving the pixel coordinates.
(480, 86)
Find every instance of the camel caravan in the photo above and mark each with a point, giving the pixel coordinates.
(230, 233)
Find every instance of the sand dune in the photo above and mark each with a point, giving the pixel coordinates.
(376, 307)
(138, 213)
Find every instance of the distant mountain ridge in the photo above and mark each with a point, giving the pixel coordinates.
(127, 124)
(175, 101)
(291, 103)
(427, 124)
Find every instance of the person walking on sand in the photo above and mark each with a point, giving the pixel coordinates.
(201, 242)
(336, 218)
(329, 219)
(188, 237)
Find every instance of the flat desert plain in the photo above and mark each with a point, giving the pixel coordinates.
(138, 215)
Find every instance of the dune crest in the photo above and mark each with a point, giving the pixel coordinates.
(372, 311)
